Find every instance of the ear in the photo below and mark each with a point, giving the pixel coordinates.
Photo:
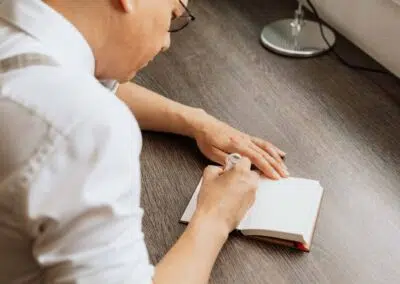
(127, 5)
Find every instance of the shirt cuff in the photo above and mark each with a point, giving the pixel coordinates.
(112, 85)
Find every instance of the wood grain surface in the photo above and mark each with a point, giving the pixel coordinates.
(337, 125)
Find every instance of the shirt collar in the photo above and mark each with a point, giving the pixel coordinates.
(65, 43)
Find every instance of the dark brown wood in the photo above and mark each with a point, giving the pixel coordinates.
(338, 125)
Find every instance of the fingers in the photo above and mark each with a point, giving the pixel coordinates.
(255, 177)
(263, 164)
(217, 155)
(212, 172)
(251, 178)
(260, 158)
(280, 168)
(280, 152)
(263, 154)
(244, 164)
(272, 150)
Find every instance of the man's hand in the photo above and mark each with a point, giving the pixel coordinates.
(217, 139)
(226, 196)
(224, 199)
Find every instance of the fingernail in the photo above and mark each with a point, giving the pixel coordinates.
(129, 6)
(286, 171)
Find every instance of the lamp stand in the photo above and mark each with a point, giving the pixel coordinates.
(297, 37)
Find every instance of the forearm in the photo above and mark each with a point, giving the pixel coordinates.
(157, 113)
(191, 259)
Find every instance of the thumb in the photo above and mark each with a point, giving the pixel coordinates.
(212, 172)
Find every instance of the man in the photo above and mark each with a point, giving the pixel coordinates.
(69, 147)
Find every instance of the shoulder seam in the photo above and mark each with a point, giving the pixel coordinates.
(36, 114)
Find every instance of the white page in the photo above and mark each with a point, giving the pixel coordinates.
(187, 215)
(288, 205)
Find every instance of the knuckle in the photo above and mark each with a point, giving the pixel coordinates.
(234, 140)
(240, 171)
(253, 189)
(251, 184)
(208, 168)
(246, 159)
(267, 144)
(249, 175)
(243, 179)
(253, 192)
(254, 176)
(253, 156)
(273, 163)
(268, 158)
(266, 168)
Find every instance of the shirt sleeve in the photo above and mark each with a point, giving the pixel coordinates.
(84, 210)
(112, 85)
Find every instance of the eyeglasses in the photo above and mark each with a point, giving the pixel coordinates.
(181, 22)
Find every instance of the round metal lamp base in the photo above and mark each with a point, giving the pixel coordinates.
(279, 37)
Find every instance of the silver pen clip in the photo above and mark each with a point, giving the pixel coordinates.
(231, 160)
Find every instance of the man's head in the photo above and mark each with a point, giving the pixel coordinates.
(123, 34)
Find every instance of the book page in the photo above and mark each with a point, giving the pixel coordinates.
(187, 215)
(288, 205)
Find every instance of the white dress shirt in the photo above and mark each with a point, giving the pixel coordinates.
(69, 161)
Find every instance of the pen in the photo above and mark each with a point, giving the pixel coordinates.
(231, 160)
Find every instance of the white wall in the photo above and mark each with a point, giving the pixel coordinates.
(373, 25)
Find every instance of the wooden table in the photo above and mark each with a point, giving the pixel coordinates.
(339, 126)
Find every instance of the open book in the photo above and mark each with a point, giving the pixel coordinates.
(285, 212)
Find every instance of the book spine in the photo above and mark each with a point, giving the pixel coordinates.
(301, 247)
(291, 244)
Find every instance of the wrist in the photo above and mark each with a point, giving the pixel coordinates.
(210, 226)
(192, 120)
